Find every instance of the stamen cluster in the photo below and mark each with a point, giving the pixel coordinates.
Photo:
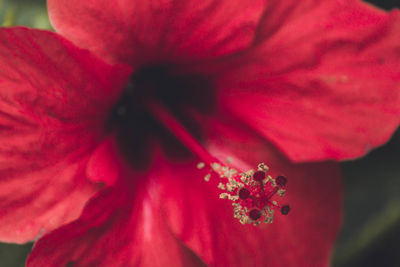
(251, 193)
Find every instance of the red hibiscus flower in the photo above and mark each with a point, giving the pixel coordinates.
(167, 84)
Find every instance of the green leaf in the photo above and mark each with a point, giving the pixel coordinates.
(25, 13)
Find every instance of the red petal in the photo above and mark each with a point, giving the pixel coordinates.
(323, 85)
(53, 101)
(205, 223)
(105, 163)
(139, 31)
(118, 228)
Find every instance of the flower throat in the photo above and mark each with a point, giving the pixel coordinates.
(178, 91)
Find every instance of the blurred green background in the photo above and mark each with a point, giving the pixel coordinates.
(371, 230)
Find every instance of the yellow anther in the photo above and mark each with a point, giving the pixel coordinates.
(224, 195)
(201, 165)
(281, 192)
(221, 186)
(262, 167)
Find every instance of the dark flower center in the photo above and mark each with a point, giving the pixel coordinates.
(179, 91)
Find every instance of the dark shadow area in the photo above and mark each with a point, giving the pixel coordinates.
(12, 255)
(371, 236)
(386, 4)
